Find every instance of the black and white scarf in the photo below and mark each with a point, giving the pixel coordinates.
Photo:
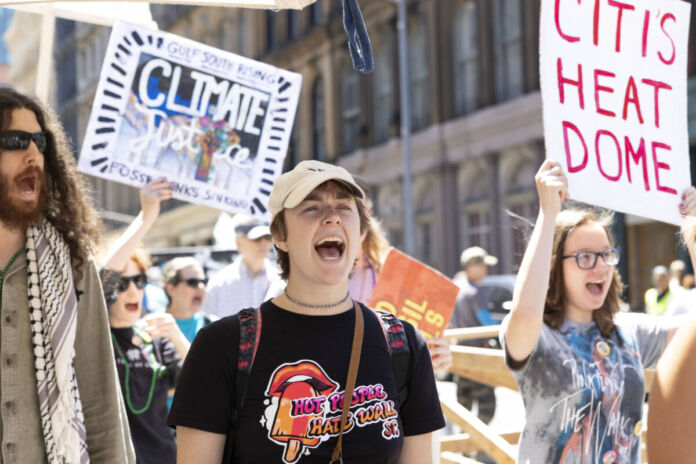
(53, 313)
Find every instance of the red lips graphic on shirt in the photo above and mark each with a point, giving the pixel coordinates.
(300, 380)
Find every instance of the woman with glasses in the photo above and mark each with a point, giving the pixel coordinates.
(578, 363)
(184, 284)
(149, 352)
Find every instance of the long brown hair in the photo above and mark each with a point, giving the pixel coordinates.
(375, 246)
(554, 310)
(68, 206)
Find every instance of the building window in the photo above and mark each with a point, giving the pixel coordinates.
(318, 121)
(509, 68)
(466, 57)
(350, 99)
(293, 24)
(293, 155)
(418, 71)
(383, 92)
(477, 227)
(270, 30)
(425, 246)
(315, 14)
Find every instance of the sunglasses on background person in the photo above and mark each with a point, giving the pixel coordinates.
(140, 280)
(193, 282)
(20, 140)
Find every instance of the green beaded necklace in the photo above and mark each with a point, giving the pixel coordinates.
(12, 259)
(157, 372)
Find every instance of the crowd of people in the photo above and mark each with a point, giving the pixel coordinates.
(253, 364)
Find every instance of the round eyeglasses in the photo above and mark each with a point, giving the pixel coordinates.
(588, 259)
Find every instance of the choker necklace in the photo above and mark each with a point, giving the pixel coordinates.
(317, 306)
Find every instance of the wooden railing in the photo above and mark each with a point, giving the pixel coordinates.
(484, 365)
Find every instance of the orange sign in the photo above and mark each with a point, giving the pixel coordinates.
(415, 293)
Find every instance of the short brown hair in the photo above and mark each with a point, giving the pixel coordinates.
(554, 310)
(279, 228)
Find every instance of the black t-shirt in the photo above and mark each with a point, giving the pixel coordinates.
(293, 404)
(152, 439)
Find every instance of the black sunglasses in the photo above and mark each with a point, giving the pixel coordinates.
(588, 259)
(140, 280)
(20, 140)
(193, 282)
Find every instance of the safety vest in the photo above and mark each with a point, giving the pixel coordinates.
(654, 307)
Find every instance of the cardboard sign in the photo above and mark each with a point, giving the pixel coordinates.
(415, 293)
(613, 82)
(215, 124)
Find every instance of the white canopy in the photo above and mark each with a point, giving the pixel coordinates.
(105, 13)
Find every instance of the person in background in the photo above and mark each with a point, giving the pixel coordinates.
(658, 298)
(184, 284)
(472, 310)
(676, 272)
(55, 346)
(149, 352)
(688, 281)
(245, 282)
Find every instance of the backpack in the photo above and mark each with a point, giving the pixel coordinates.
(250, 325)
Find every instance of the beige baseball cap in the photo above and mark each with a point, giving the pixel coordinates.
(292, 187)
(476, 254)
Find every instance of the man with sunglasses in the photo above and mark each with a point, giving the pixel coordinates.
(59, 391)
(245, 282)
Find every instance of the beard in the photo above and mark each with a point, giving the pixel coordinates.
(19, 214)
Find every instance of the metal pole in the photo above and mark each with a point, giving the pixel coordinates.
(404, 91)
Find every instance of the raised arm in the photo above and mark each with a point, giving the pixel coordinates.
(526, 316)
(151, 195)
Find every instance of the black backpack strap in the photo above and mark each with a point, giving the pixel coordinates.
(397, 343)
(249, 334)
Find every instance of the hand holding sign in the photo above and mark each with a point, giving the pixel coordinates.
(415, 293)
(552, 186)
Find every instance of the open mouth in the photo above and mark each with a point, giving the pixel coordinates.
(330, 248)
(28, 185)
(132, 307)
(197, 301)
(595, 287)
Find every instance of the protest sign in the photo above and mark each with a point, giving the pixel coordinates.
(613, 83)
(415, 293)
(215, 124)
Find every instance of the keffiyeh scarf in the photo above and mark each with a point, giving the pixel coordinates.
(53, 315)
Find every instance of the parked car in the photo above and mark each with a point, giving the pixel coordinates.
(500, 288)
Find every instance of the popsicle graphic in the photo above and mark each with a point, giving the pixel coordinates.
(300, 380)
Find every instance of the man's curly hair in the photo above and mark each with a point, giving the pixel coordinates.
(68, 206)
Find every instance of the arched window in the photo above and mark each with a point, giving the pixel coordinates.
(419, 73)
(466, 57)
(383, 100)
(350, 105)
(509, 63)
(318, 122)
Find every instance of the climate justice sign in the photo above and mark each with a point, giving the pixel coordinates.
(613, 82)
(215, 124)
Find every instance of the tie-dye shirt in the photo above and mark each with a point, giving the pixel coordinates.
(583, 393)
